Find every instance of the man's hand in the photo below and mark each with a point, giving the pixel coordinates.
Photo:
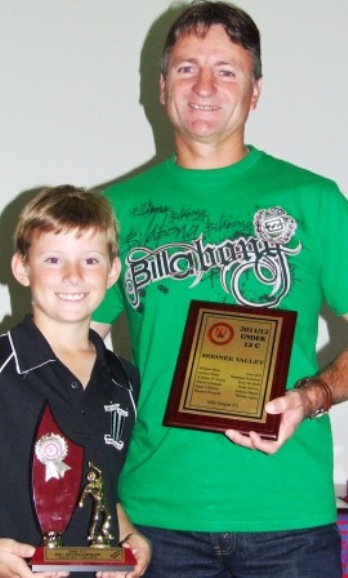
(292, 409)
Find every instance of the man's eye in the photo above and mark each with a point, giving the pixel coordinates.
(227, 73)
(185, 69)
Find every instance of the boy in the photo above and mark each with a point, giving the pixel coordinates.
(65, 251)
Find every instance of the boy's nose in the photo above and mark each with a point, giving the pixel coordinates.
(73, 274)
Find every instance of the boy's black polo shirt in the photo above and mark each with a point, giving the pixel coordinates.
(30, 376)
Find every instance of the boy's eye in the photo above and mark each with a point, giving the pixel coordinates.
(52, 260)
(91, 261)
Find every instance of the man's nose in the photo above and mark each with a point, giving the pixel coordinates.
(205, 82)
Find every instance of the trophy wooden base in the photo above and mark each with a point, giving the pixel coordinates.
(82, 559)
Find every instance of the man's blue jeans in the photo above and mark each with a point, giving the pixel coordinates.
(312, 553)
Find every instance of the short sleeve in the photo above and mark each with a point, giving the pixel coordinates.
(111, 306)
(333, 225)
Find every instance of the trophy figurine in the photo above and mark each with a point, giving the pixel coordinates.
(57, 470)
(98, 533)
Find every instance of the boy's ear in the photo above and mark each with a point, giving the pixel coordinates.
(114, 272)
(20, 270)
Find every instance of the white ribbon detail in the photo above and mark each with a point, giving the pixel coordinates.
(51, 450)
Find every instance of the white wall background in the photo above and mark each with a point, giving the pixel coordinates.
(78, 104)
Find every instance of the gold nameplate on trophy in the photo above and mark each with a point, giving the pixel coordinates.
(232, 361)
(83, 559)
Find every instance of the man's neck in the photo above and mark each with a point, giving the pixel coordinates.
(203, 156)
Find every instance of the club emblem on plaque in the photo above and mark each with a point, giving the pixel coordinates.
(57, 479)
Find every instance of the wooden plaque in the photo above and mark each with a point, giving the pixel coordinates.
(232, 361)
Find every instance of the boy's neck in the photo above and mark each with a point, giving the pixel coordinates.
(71, 345)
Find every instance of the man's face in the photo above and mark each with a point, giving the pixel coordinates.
(209, 89)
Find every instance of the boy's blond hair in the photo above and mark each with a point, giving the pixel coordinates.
(65, 208)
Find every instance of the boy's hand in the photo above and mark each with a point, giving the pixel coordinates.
(13, 563)
(141, 549)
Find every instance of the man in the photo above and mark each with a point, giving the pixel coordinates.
(196, 227)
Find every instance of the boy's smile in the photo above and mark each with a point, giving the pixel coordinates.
(71, 296)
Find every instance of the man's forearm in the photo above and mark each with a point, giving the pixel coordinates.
(328, 387)
(336, 376)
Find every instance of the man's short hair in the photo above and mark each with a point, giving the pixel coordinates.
(66, 208)
(199, 16)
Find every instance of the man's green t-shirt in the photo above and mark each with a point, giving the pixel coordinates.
(261, 232)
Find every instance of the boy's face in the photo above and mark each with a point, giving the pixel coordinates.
(67, 275)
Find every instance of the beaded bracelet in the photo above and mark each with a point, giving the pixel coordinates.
(324, 387)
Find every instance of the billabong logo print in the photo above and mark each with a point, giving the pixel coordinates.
(253, 269)
(118, 416)
(274, 225)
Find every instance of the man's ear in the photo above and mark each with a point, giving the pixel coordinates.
(20, 270)
(257, 88)
(114, 272)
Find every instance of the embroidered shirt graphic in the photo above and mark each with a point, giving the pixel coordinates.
(117, 421)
